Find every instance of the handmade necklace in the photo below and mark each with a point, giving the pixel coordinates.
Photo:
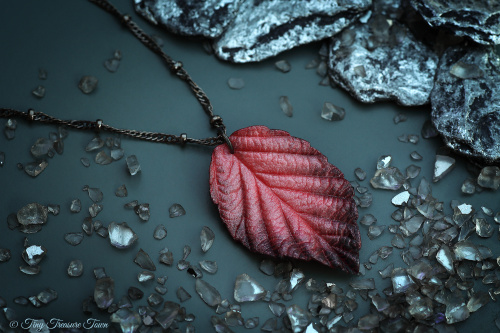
(276, 194)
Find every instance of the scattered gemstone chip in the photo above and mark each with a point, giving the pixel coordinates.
(236, 83)
(33, 169)
(75, 268)
(39, 92)
(85, 162)
(207, 293)
(160, 232)
(88, 84)
(285, 106)
(102, 158)
(283, 65)
(209, 266)
(144, 261)
(331, 112)
(5, 255)
(415, 156)
(489, 177)
(442, 166)
(176, 210)
(207, 238)
(73, 238)
(246, 289)
(121, 235)
(389, 178)
(360, 174)
(133, 165)
(121, 191)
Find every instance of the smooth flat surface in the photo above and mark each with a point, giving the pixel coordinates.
(72, 39)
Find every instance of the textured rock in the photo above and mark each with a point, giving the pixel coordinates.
(263, 29)
(382, 60)
(478, 20)
(206, 18)
(466, 112)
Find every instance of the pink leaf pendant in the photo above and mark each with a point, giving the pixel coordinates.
(280, 197)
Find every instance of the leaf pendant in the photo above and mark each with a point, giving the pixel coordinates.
(280, 197)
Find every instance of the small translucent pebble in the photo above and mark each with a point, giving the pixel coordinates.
(133, 165)
(399, 118)
(176, 210)
(207, 238)
(283, 66)
(102, 158)
(332, 112)
(415, 156)
(39, 91)
(121, 191)
(85, 162)
(236, 83)
(285, 106)
(88, 84)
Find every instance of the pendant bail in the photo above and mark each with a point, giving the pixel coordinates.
(31, 114)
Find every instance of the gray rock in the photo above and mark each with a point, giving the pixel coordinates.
(378, 61)
(206, 18)
(263, 29)
(466, 112)
(478, 20)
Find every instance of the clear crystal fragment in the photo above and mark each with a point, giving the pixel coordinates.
(362, 284)
(209, 266)
(456, 310)
(384, 161)
(117, 154)
(88, 84)
(489, 177)
(483, 228)
(236, 83)
(182, 294)
(252, 322)
(94, 144)
(142, 210)
(469, 186)
(31, 214)
(154, 300)
(145, 276)
(398, 241)
(75, 268)
(207, 292)
(219, 325)
(104, 292)
(42, 147)
(85, 162)
(246, 289)
(29, 270)
(368, 220)
(387, 271)
(375, 231)
(42, 74)
(144, 261)
(412, 171)
(399, 118)
(160, 232)
(413, 138)
(359, 70)
(99, 273)
(285, 106)
(401, 198)
(360, 174)
(73, 238)
(5, 255)
(102, 158)
(415, 156)
(121, 235)
(33, 169)
(176, 210)
(112, 64)
(401, 282)
(39, 91)
(388, 179)
(33, 254)
(442, 166)
(299, 318)
(47, 295)
(207, 238)
(95, 209)
(283, 65)
(95, 194)
(121, 191)
(465, 250)
(332, 112)
(135, 293)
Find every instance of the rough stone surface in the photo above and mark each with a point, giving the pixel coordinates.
(263, 29)
(478, 20)
(466, 112)
(378, 61)
(206, 18)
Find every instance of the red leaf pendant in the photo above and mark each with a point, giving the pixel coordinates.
(280, 197)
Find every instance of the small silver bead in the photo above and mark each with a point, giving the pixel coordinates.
(31, 114)
(126, 18)
(216, 121)
(98, 124)
(183, 138)
(177, 65)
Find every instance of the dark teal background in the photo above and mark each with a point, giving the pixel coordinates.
(73, 38)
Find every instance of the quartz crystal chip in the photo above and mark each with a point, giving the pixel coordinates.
(46, 296)
(368, 220)
(42, 147)
(415, 156)
(209, 266)
(412, 171)
(166, 258)
(445, 257)
(145, 276)
(168, 314)
(219, 325)
(117, 154)
(299, 318)
(207, 238)
(176, 210)
(283, 65)
(102, 158)
(478, 300)
(442, 166)
(388, 179)
(5, 255)
(88, 84)
(160, 232)
(233, 318)
(462, 70)
(375, 231)
(469, 186)
(73, 238)
(369, 322)
(362, 284)
(75, 268)
(95, 194)
(387, 271)
(135, 293)
(267, 267)
(144, 261)
(246, 289)
(465, 250)
(121, 191)
(29, 270)
(154, 300)
(413, 138)
(133, 165)
(112, 64)
(33, 169)
(128, 320)
(456, 310)
(398, 241)
(95, 209)
(42, 74)
(401, 198)
(104, 292)
(33, 254)
(365, 200)
(483, 228)
(277, 308)
(252, 322)
(32, 214)
(207, 293)
(85, 162)
(21, 300)
(39, 91)
(76, 206)
(401, 282)
(194, 271)
(399, 118)
(489, 177)
(332, 112)
(121, 235)
(269, 325)
(285, 106)
(182, 294)
(99, 273)
(360, 174)
(142, 210)
(95, 144)
(236, 83)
